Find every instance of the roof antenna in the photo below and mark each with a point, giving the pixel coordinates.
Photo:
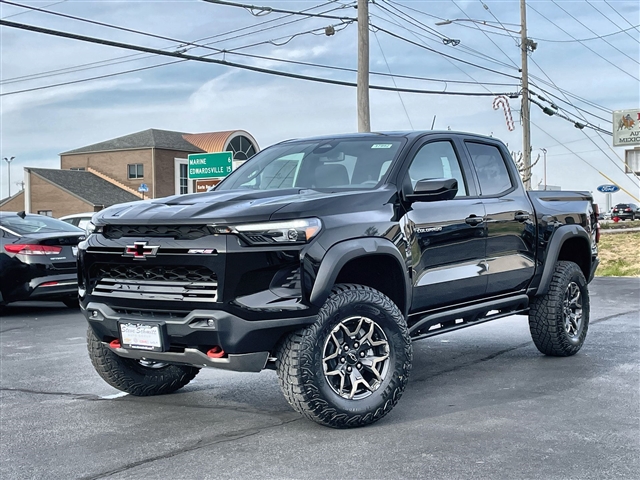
(434, 122)
(21, 214)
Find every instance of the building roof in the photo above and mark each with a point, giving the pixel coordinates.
(8, 199)
(151, 138)
(209, 142)
(86, 185)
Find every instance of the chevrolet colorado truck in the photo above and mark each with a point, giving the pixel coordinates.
(324, 259)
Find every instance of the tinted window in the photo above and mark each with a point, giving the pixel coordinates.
(36, 224)
(490, 167)
(317, 164)
(437, 160)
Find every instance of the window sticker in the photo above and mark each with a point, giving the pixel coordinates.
(382, 145)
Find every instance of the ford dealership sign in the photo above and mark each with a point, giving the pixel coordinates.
(608, 188)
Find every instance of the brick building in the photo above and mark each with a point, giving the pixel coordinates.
(103, 174)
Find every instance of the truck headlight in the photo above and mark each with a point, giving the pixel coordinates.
(279, 232)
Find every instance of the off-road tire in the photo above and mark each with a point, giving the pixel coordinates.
(301, 359)
(131, 376)
(547, 313)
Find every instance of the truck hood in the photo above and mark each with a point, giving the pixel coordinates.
(234, 206)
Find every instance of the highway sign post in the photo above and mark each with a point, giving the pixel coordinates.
(209, 165)
(143, 188)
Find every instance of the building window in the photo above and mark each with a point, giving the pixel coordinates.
(184, 179)
(48, 213)
(242, 148)
(136, 170)
(79, 169)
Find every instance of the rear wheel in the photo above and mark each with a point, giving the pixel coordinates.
(559, 320)
(137, 377)
(351, 366)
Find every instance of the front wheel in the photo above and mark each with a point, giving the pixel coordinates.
(559, 320)
(137, 377)
(351, 366)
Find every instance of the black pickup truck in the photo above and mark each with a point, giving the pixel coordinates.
(324, 259)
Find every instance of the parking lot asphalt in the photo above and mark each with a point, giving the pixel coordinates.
(480, 403)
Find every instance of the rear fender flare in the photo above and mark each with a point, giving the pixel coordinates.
(341, 253)
(561, 235)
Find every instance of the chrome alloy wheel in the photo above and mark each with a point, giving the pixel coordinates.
(355, 358)
(572, 310)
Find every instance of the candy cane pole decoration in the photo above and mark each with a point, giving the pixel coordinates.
(502, 101)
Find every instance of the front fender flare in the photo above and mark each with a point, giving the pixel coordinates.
(337, 257)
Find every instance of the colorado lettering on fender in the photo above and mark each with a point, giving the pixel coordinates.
(428, 229)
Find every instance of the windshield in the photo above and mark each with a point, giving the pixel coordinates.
(318, 164)
(36, 224)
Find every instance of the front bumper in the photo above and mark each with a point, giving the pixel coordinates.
(246, 343)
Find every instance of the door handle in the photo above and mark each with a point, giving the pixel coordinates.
(473, 220)
(522, 216)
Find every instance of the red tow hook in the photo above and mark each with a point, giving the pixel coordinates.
(115, 343)
(216, 352)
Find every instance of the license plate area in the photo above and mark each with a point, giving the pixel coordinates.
(148, 336)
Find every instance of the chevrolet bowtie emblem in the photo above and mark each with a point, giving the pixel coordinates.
(140, 251)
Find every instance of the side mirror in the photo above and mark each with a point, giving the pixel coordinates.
(431, 190)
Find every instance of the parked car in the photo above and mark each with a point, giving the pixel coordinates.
(38, 258)
(626, 211)
(80, 220)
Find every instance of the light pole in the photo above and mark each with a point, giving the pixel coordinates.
(9, 160)
(544, 162)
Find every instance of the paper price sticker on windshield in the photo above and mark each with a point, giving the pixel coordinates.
(382, 145)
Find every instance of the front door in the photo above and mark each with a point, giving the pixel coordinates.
(447, 238)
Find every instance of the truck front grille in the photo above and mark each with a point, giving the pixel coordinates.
(189, 283)
(178, 232)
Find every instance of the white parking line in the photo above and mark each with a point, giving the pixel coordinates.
(115, 395)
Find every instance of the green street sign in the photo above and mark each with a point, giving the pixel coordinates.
(210, 165)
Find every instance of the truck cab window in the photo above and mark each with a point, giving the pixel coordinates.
(492, 172)
(437, 160)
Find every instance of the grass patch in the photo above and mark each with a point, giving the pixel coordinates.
(619, 255)
(621, 225)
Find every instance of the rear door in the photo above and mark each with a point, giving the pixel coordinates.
(510, 220)
(447, 238)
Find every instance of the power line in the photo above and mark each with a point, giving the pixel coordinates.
(603, 39)
(419, 37)
(582, 43)
(564, 101)
(393, 79)
(180, 43)
(400, 37)
(45, 6)
(267, 10)
(401, 15)
(620, 15)
(128, 46)
(614, 23)
(485, 34)
(578, 156)
(565, 117)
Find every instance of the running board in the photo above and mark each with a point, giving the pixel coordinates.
(450, 320)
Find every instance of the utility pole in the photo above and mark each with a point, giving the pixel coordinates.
(364, 116)
(526, 118)
(9, 160)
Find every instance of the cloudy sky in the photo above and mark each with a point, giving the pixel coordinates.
(586, 63)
